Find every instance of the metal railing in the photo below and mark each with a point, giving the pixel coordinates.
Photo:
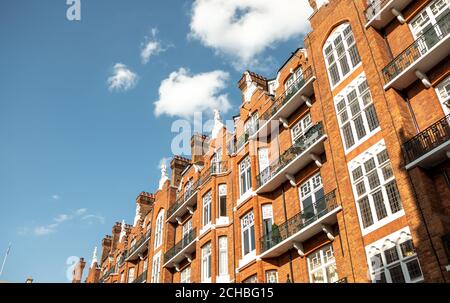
(218, 168)
(178, 247)
(107, 274)
(138, 244)
(286, 96)
(429, 139)
(142, 277)
(303, 143)
(418, 49)
(184, 197)
(299, 221)
(374, 8)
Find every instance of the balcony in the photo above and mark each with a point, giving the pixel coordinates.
(242, 140)
(430, 147)
(216, 169)
(142, 278)
(105, 277)
(415, 61)
(309, 222)
(294, 96)
(308, 148)
(182, 250)
(183, 204)
(380, 12)
(139, 247)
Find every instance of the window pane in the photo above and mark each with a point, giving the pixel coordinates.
(378, 201)
(393, 196)
(407, 249)
(348, 136)
(397, 274)
(372, 118)
(391, 255)
(366, 213)
(359, 127)
(414, 270)
(374, 180)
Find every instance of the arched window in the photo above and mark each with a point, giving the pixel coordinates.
(159, 228)
(341, 53)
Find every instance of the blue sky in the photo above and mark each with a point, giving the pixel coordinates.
(75, 152)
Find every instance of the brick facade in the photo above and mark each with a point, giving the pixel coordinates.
(415, 207)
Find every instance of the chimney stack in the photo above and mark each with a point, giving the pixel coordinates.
(78, 271)
(199, 146)
(178, 165)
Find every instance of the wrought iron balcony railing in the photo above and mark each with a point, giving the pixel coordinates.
(183, 198)
(429, 139)
(419, 48)
(142, 277)
(215, 169)
(374, 8)
(308, 139)
(299, 221)
(242, 140)
(286, 96)
(139, 243)
(178, 247)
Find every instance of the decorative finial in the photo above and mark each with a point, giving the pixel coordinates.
(218, 125)
(122, 231)
(94, 257)
(164, 176)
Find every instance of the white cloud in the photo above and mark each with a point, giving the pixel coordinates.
(183, 94)
(151, 47)
(243, 29)
(56, 197)
(92, 218)
(44, 230)
(122, 79)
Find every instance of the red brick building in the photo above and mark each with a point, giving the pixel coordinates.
(337, 170)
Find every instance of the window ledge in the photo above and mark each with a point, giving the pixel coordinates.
(205, 230)
(223, 279)
(222, 222)
(244, 198)
(249, 258)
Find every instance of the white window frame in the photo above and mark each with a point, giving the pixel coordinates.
(185, 275)
(223, 256)
(339, 32)
(378, 248)
(314, 184)
(131, 274)
(156, 268)
(247, 224)
(293, 78)
(344, 108)
(443, 93)
(251, 125)
(326, 261)
(206, 263)
(187, 228)
(364, 179)
(301, 127)
(245, 176)
(432, 17)
(267, 216)
(159, 229)
(222, 198)
(271, 276)
(207, 214)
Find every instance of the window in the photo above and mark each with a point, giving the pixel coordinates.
(322, 266)
(131, 275)
(393, 259)
(375, 188)
(156, 268)
(267, 218)
(264, 165)
(206, 262)
(207, 208)
(188, 188)
(443, 91)
(159, 228)
(251, 125)
(341, 54)
(252, 279)
(428, 18)
(356, 113)
(223, 256)
(245, 176)
(311, 197)
(216, 162)
(223, 200)
(145, 265)
(185, 276)
(187, 229)
(301, 127)
(293, 78)
(271, 276)
(248, 233)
